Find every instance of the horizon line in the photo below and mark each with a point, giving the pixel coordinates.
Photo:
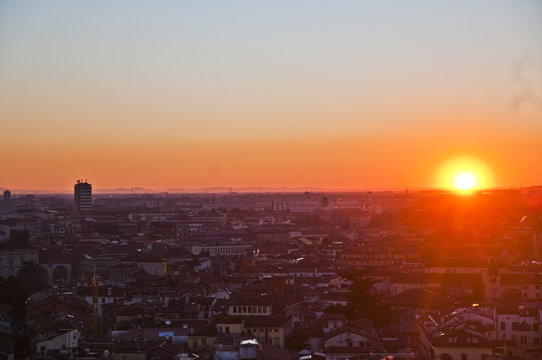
(254, 189)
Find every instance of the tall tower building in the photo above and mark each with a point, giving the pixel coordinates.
(82, 196)
(7, 199)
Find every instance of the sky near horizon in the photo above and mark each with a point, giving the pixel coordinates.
(343, 94)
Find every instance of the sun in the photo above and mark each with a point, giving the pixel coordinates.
(464, 175)
(465, 180)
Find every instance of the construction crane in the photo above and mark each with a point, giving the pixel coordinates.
(95, 315)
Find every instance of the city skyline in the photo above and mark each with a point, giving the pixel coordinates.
(282, 95)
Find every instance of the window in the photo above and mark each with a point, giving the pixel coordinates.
(463, 356)
(195, 344)
(349, 343)
(535, 327)
(536, 342)
(503, 325)
(235, 309)
(276, 341)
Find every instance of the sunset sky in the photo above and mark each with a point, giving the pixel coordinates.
(326, 94)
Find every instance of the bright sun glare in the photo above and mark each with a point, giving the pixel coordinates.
(464, 175)
(465, 180)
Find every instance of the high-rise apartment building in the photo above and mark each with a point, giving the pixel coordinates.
(6, 203)
(82, 192)
(7, 196)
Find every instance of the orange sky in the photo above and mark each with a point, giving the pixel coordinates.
(357, 162)
(359, 95)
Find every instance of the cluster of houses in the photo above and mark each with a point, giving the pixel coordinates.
(227, 277)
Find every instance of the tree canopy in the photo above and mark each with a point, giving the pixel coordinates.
(16, 290)
(363, 301)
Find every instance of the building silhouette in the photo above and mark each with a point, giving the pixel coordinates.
(6, 203)
(7, 196)
(82, 192)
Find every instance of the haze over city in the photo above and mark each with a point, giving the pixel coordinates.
(271, 180)
(349, 95)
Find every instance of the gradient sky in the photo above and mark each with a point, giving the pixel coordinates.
(342, 94)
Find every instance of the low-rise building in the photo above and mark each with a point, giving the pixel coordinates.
(350, 340)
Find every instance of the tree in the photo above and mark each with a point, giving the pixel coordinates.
(15, 292)
(297, 341)
(362, 299)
